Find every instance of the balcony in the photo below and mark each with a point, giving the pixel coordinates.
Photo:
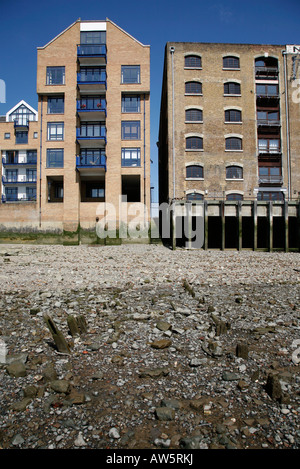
(21, 179)
(17, 161)
(91, 54)
(268, 123)
(91, 136)
(91, 165)
(18, 198)
(91, 108)
(21, 123)
(270, 179)
(266, 73)
(91, 80)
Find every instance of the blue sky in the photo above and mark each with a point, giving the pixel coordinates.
(26, 25)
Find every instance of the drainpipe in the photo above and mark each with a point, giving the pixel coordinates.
(41, 145)
(144, 160)
(172, 50)
(284, 53)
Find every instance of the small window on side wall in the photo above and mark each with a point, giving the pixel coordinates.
(194, 171)
(231, 62)
(192, 61)
(193, 87)
(130, 74)
(193, 115)
(234, 197)
(194, 143)
(233, 143)
(233, 115)
(232, 88)
(234, 172)
(194, 196)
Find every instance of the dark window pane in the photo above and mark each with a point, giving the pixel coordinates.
(193, 115)
(194, 143)
(231, 62)
(194, 171)
(234, 172)
(232, 88)
(234, 197)
(130, 74)
(55, 76)
(232, 115)
(193, 61)
(194, 196)
(233, 143)
(56, 105)
(193, 87)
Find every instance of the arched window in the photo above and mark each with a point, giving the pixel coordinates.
(192, 61)
(234, 172)
(194, 171)
(231, 62)
(233, 143)
(233, 115)
(193, 115)
(194, 196)
(193, 87)
(194, 143)
(234, 197)
(231, 87)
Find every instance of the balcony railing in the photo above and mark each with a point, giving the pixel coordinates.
(19, 180)
(18, 198)
(268, 122)
(17, 161)
(21, 123)
(91, 106)
(98, 133)
(269, 72)
(267, 95)
(95, 77)
(269, 150)
(98, 161)
(270, 179)
(91, 50)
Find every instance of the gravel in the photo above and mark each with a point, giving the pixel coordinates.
(180, 349)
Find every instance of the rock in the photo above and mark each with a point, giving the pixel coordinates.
(60, 386)
(114, 433)
(165, 413)
(198, 361)
(49, 372)
(153, 373)
(171, 403)
(16, 369)
(191, 442)
(30, 391)
(163, 326)
(21, 405)
(17, 440)
(161, 344)
(79, 441)
(230, 376)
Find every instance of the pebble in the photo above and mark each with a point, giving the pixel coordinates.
(182, 349)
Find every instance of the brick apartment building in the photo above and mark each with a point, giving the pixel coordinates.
(229, 126)
(91, 141)
(229, 136)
